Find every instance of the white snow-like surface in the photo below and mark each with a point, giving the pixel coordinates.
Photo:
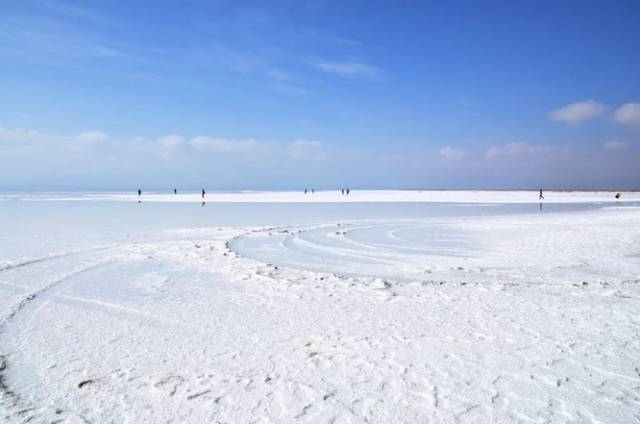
(475, 317)
(335, 196)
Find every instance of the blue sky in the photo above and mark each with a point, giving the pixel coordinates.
(282, 95)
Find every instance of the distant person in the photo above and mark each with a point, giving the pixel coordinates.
(541, 196)
(343, 192)
(175, 191)
(617, 196)
(305, 191)
(139, 192)
(313, 190)
(203, 193)
(348, 191)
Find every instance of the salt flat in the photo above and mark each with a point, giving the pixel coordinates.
(333, 196)
(380, 312)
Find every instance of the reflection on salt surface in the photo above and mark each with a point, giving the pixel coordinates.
(148, 216)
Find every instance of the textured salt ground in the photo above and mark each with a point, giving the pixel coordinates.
(483, 249)
(182, 329)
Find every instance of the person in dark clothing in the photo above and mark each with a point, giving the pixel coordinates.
(203, 193)
(305, 191)
(348, 191)
(139, 192)
(541, 196)
(175, 191)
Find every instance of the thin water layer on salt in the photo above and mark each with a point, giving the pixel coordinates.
(39, 229)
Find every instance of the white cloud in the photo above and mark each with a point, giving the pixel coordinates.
(22, 142)
(577, 112)
(628, 114)
(306, 149)
(171, 141)
(616, 145)
(163, 146)
(31, 159)
(82, 142)
(451, 154)
(90, 137)
(18, 140)
(348, 69)
(222, 145)
(521, 149)
(306, 143)
(21, 135)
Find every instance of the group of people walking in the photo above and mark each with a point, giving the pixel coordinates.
(203, 192)
(541, 197)
(344, 191)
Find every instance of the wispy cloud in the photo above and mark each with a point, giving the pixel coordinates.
(283, 87)
(68, 9)
(578, 112)
(451, 154)
(278, 74)
(628, 114)
(107, 52)
(345, 41)
(616, 144)
(348, 69)
(522, 149)
(284, 82)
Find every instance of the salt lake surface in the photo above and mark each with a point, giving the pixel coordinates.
(452, 308)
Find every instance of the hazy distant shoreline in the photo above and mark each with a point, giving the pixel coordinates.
(335, 196)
